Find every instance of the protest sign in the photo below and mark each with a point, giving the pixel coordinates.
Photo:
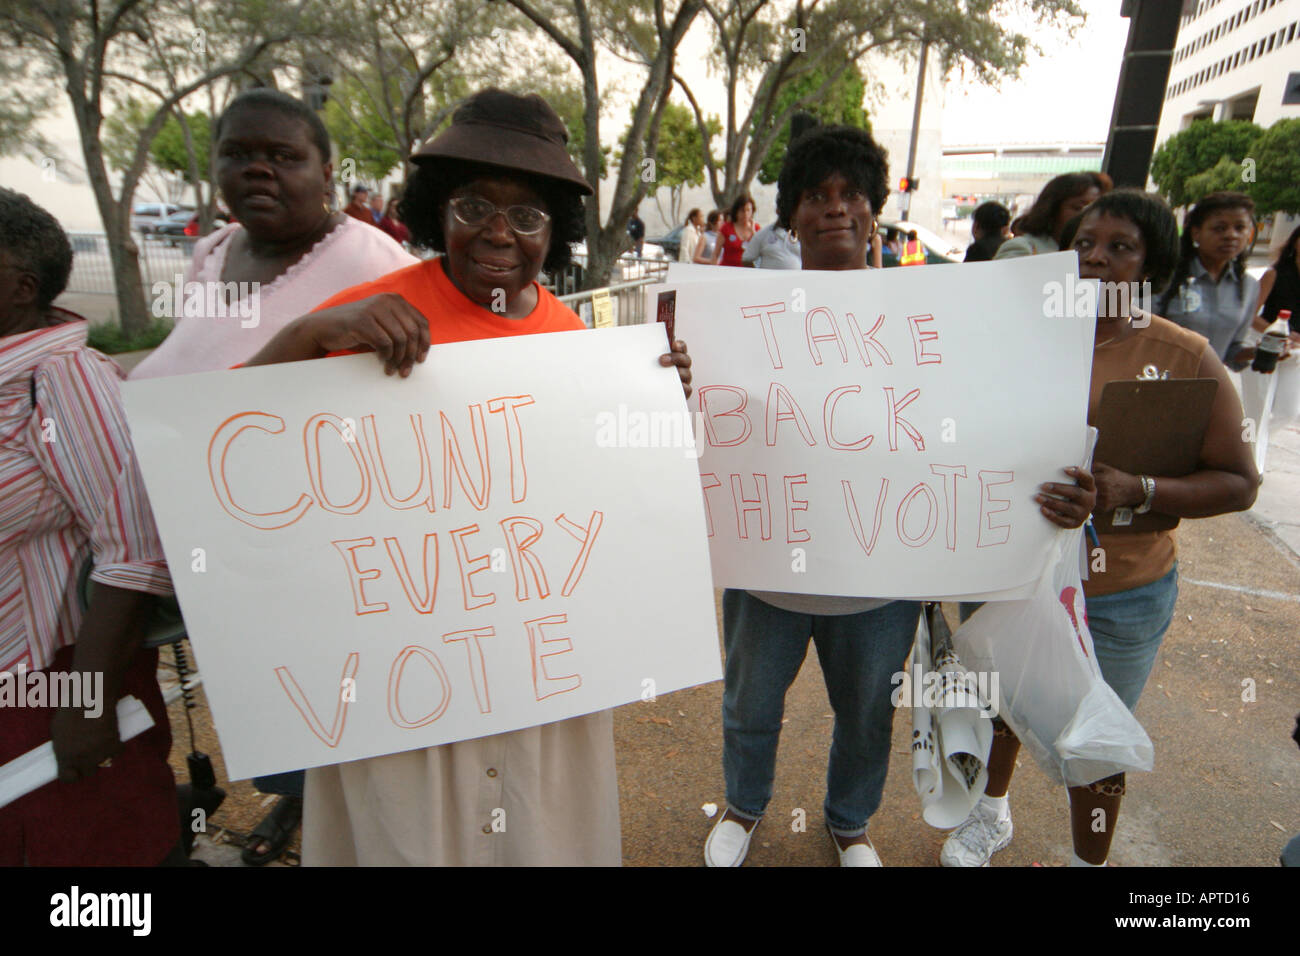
(370, 564)
(882, 433)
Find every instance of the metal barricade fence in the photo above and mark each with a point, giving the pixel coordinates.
(631, 276)
(162, 261)
(92, 269)
(627, 299)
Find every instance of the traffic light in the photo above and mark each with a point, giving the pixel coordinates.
(317, 79)
(908, 184)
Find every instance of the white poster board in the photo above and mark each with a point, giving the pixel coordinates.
(882, 433)
(368, 564)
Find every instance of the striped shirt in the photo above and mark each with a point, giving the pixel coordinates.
(70, 488)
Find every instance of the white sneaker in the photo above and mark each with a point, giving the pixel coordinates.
(728, 844)
(975, 841)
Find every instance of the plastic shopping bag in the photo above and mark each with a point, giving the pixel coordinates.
(951, 727)
(1258, 395)
(1051, 692)
(1286, 400)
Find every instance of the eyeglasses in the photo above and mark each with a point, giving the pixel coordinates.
(524, 220)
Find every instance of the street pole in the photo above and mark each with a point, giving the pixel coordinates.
(1139, 96)
(906, 199)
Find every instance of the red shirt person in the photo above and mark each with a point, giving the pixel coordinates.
(359, 208)
(734, 234)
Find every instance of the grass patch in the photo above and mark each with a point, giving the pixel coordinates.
(109, 338)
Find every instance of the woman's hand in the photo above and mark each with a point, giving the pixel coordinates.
(107, 644)
(1116, 489)
(1068, 505)
(81, 743)
(679, 358)
(386, 324)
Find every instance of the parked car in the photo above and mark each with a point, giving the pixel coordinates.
(180, 225)
(671, 244)
(938, 249)
(145, 217)
(174, 225)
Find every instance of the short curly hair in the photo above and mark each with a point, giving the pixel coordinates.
(433, 182)
(264, 97)
(824, 150)
(1154, 220)
(36, 243)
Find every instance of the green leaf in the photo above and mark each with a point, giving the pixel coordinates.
(841, 105)
(1276, 169)
(1196, 150)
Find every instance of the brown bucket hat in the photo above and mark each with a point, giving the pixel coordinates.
(518, 133)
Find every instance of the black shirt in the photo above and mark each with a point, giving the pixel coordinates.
(1285, 295)
(983, 249)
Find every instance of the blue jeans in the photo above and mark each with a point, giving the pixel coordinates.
(1127, 630)
(859, 654)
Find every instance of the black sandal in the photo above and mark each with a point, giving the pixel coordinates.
(276, 830)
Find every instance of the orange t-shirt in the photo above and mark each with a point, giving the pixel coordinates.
(453, 317)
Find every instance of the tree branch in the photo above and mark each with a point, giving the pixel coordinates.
(575, 53)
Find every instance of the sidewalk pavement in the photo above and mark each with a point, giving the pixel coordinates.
(1277, 508)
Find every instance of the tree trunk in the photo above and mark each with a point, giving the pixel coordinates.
(125, 256)
(602, 251)
(602, 255)
(122, 250)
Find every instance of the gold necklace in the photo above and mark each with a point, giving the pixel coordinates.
(1128, 322)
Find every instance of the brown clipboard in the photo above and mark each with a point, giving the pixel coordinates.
(1151, 427)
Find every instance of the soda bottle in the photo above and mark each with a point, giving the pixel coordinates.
(1270, 346)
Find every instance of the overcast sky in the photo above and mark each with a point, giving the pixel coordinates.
(1065, 93)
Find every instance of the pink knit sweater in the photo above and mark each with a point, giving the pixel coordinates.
(349, 254)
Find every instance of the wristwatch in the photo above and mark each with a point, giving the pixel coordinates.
(1148, 489)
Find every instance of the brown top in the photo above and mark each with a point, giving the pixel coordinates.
(1161, 350)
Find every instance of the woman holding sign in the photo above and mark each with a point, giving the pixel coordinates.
(832, 183)
(497, 194)
(1125, 238)
(289, 251)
